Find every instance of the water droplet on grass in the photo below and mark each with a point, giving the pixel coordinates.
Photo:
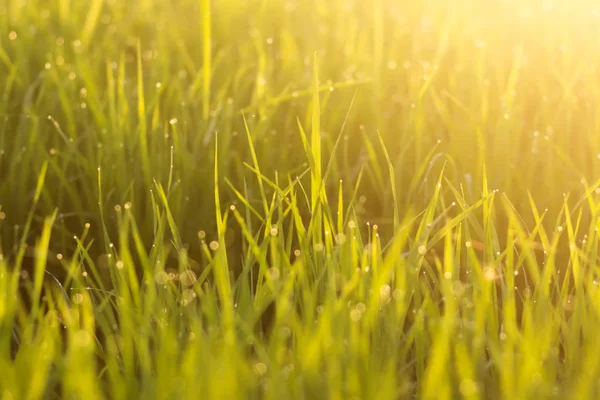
(355, 315)
(161, 278)
(490, 273)
(188, 277)
(274, 273)
(260, 369)
(78, 298)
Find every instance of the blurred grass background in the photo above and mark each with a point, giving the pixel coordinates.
(507, 84)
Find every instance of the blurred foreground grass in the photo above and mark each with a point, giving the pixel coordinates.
(299, 199)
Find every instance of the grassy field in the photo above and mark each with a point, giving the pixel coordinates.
(305, 199)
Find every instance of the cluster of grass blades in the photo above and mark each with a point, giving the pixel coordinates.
(323, 307)
(321, 304)
(337, 199)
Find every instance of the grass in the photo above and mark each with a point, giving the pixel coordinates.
(299, 199)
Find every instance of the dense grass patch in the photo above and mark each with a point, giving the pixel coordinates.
(299, 199)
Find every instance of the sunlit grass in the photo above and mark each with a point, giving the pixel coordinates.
(299, 199)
